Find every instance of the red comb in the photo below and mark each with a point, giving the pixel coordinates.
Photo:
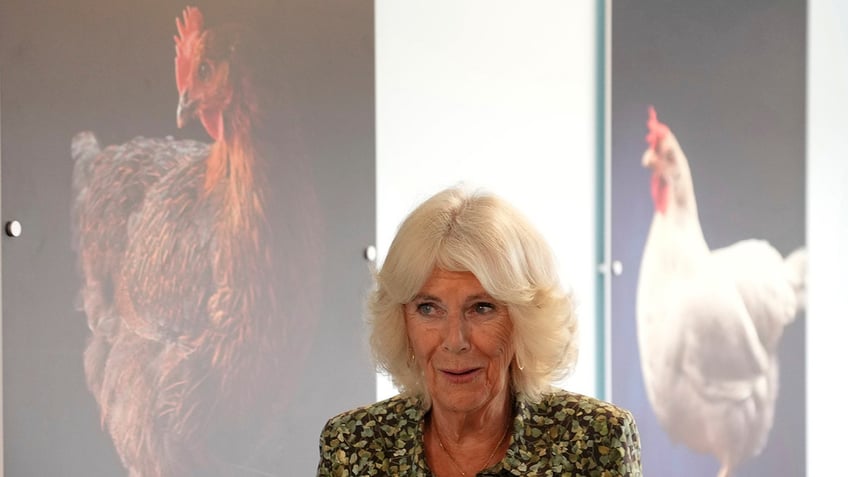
(657, 131)
(188, 29)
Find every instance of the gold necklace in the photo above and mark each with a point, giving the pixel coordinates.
(455, 463)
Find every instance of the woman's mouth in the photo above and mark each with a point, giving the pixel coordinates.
(460, 376)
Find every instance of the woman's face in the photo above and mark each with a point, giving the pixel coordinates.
(462, 340)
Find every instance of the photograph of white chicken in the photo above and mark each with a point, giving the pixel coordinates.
(707, 214)
(709, 322)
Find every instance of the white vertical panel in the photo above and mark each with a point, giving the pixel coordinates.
(501, 95)
(827, 216)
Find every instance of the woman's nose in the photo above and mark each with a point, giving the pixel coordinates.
(456, 333)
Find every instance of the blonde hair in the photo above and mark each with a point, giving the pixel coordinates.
(461, 230)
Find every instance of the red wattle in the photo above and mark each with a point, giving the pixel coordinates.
(659, 192)
(214, 124)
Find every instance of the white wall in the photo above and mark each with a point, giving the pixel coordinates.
(501, 94)
(497, 94)
(827, 232)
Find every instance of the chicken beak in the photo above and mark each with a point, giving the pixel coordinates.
(649, 158)
(185, 110)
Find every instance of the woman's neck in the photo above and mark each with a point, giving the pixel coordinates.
(464, 443)
(489, 421)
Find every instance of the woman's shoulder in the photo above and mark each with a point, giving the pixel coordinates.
(383, 438)
(565, 409)
(582, 433)
(567, 403)
(395, 411)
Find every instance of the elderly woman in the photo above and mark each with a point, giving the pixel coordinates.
(469, 318)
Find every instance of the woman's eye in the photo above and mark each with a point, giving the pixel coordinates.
(483, 308)
(426, 309)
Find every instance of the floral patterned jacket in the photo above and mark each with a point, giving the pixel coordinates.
(565, 434)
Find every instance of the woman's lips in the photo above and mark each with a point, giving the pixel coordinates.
(460, 376)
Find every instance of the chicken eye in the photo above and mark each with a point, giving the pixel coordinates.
(203, 71)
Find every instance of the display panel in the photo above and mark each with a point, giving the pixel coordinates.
(707, 318)
(195, 189)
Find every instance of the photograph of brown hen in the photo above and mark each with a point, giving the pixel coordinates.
(199, 275)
